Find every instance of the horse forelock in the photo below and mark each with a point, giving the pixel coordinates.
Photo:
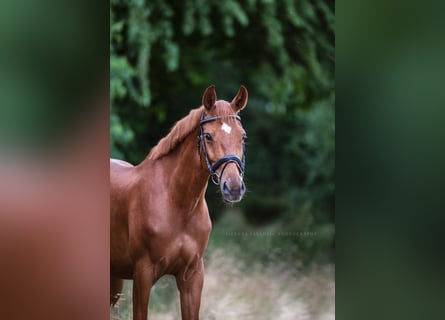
(222, 109)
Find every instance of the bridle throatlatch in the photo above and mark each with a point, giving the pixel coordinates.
(224, 161)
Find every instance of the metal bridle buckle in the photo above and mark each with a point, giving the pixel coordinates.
(215, 178)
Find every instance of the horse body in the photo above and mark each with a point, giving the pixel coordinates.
(160, 222)
(149, 237)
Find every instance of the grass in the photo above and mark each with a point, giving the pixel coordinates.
(234, 289)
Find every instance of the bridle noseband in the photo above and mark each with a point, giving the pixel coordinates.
(240, 163)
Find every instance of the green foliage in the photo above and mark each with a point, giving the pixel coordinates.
(164, 53)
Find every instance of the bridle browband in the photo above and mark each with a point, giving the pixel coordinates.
(240, 163)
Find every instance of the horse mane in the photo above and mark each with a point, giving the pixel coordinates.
(177, 134)
(184, 127)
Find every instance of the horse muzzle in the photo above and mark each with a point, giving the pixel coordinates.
(232, 188)
(231, 194)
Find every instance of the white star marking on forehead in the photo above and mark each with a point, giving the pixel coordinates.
(226, 128)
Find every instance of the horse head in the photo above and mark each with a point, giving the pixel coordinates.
(222, 140)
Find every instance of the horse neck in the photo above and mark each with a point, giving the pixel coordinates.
(185, 178)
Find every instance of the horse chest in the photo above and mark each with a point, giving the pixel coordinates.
(179, 247)
(181, 243)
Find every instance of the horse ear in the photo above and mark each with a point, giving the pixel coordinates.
(240, 101)
(209, 97)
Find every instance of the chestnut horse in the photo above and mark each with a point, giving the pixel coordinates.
(160, 223)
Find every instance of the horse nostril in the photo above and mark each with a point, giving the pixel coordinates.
(225, 188)
(243, 187)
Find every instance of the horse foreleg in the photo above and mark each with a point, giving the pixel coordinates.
(116, 286)
(190, 288)
(142, 282)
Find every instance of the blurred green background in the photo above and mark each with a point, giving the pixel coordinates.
(163, 54)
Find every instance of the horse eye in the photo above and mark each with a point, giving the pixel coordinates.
(208, 137)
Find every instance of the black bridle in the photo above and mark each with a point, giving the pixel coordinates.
(240, 163)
